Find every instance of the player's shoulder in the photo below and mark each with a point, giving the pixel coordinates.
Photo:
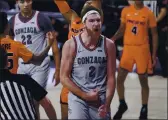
(109, 43)
(70, 45)
(127, 8)
(7, 40)
(11, 20)
(40, 14)
(43, 18)
(147, 10)
(70, 42)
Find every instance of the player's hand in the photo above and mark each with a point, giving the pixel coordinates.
(92, 95)
(56, 77)
(103, 110)
(153, 60)
(51, 36)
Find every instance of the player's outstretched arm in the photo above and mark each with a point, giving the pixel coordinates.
(65, 10)
(29, 57)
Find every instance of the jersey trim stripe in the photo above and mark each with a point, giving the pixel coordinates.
(75, 46)
(87, 48)
(37, 20)
(105, 47)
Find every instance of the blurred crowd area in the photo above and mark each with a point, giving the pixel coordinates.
(111, 8)
(112, 11)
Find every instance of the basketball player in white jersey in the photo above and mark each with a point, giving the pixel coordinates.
(30, 27)
(88, 70)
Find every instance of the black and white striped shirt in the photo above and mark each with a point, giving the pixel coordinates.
(17, 94)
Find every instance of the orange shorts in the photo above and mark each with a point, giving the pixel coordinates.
(64, 95)
(139, 55)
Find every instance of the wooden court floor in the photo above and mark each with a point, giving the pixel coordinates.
(157, 108)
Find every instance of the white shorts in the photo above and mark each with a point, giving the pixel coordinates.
(38, 72)
(79, 109)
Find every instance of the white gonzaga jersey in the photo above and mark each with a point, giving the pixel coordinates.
(29, 33)
(152, 5)
(90, 66)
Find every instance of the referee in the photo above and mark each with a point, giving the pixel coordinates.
(17, 94)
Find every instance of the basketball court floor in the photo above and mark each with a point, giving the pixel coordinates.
(157, 108)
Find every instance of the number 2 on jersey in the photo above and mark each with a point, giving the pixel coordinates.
(26, 39)
(92, 72)
(134, 30)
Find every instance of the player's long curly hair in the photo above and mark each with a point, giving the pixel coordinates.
(3, 22)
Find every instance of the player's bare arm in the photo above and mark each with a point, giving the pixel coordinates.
(56, 56)
(120, 32)
(48, 107)
(66, 11)
(66, 67)
(162, 14)
(68, 55)
(111, 69)
(154, 43)
(111, 81)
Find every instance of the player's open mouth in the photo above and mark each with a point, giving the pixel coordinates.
(96, 30)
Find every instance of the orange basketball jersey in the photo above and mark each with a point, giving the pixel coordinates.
(15, 51)
(137, 24)
(75, 28)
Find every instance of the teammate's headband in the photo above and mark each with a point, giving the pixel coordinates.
(88, 13)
